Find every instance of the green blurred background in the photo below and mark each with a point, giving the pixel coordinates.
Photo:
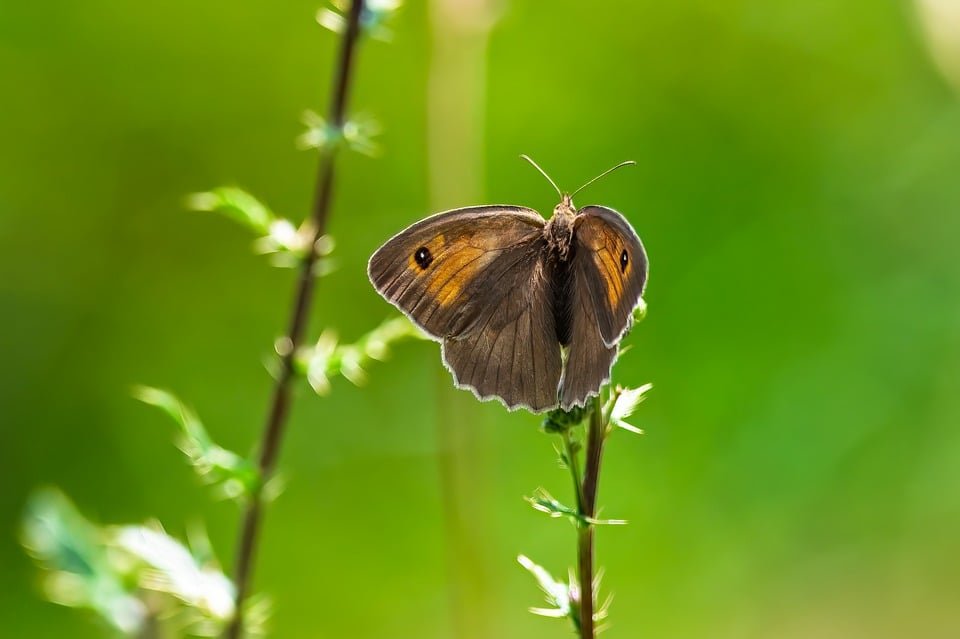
(798, 191)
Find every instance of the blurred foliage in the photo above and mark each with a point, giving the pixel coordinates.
(376, 14)
(79, 569)
(278, 237)
(138, 579)
(233, 476)
(557, 593)
(796, 191)
(327, 358)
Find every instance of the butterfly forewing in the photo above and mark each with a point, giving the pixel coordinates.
(607, 275)
(588, 359)
(475, 279)
(441, 270)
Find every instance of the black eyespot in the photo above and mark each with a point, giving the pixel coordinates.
(423, 257)
(624, 260)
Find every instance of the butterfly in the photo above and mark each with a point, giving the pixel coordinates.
(528, 311)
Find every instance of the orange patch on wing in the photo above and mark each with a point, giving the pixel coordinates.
(609, 268)
(607, 249)
(434, 246)
(453, 271)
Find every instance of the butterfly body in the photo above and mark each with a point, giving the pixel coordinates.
(529, 311)
(558, 230)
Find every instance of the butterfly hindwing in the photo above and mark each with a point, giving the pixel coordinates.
(512, 352)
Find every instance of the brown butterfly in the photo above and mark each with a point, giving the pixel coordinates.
(528, 311)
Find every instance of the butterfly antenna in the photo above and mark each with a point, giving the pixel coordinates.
(544, 174)
(605, 173)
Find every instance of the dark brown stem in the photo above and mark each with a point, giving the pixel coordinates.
(280, 403)
(585, 572)
(596, 434)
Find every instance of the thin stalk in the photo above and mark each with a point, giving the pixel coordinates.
(456, 102)
(570, 447)
(276, 421)
(596, 434)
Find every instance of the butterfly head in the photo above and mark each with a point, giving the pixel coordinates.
(562, 219)
(565, 211)
(559, 228)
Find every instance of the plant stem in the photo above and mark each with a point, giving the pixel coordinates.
(596, 434)
(570, 447)
(303, 297)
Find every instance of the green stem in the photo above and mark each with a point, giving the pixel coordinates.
(596, 434)
(571, 450)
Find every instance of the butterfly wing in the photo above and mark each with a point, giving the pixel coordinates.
(438, 270)
(588, 359)
(614, 267)
(607, 276)
(512, 353)
(475, 279)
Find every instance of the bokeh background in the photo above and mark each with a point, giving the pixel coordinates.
(798, 191)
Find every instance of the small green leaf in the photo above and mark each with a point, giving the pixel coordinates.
(286, 242)
(318, 363)
(236, 204)
(129, 575)
(557, 593)
(373, 18)
(359, 134)
(331, 20)
(327, 358)
(356, 133)
(279, 238)
(319, 134)
(623, 403)
(177, 571)
(78, 570)
(233, 476)
(559, 421)
(564, 597)
(546, 503)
